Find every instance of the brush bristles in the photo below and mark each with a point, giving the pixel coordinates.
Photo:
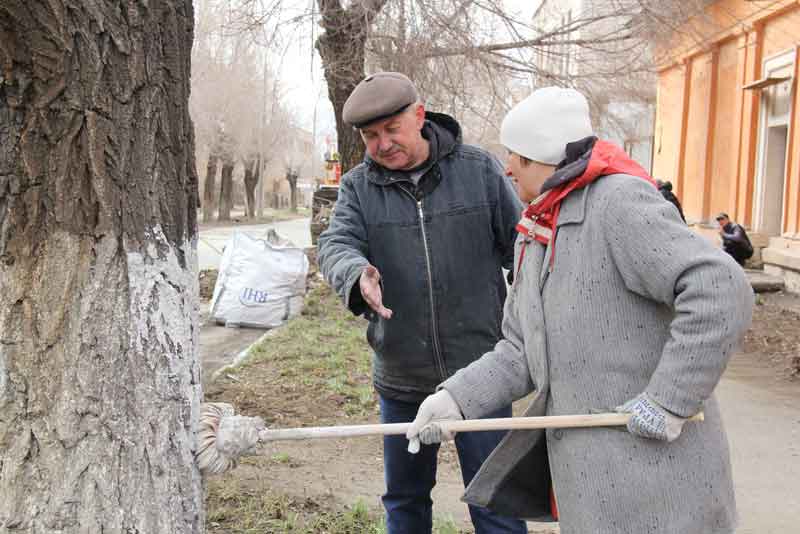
(209, 459)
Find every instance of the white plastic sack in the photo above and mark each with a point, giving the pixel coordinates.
(260, 283)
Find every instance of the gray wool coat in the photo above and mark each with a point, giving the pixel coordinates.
(635, 302)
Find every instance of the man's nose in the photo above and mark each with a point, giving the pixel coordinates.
(384, 143)
(508, 172)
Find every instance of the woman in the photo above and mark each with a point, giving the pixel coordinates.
(615, 303)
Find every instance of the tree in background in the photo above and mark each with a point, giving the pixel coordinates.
(474, 59)
(233, 86)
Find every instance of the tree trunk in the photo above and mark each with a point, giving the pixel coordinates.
(99, 378)
(341, 48)
(210, 185)
(292, 179)
(276, 195)
(251, 176)
(226, 190)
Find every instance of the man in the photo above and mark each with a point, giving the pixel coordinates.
(734, 239)
(419, 235)
(665, 188)
(615, 304)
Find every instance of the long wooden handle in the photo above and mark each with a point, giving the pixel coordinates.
(470, 425)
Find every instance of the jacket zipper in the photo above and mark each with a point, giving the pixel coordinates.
(436, 350)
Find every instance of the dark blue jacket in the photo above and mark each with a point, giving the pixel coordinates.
(442, 279)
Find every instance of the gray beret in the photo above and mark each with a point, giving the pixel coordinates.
(378, 97)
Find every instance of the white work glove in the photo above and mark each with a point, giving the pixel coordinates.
(650, 420)
(437, 407)
(370, 286)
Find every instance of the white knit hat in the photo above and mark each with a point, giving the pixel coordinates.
(540, 126)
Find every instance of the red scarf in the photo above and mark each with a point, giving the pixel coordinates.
(539, 220)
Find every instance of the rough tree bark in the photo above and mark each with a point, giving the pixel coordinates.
(252, 173)
(99, 378)
(341, 48)
(209, 203)
(226, 189)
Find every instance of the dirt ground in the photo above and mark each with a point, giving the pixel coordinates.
(775, 334)
(759, 394)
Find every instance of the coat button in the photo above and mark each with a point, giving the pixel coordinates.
(558, 433)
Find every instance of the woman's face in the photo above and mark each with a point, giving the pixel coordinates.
(528, 176)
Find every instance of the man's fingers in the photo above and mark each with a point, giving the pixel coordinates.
(379, 308)
(375, 301)
(371, 291)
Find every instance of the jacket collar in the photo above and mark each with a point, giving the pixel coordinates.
(573, 209)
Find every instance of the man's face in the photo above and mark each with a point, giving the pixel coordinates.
(723, 221)
(528, 176)
(396, 143)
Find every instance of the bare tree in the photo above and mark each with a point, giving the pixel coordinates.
(226, 186)
(475, 58)
(342, 48)
(291, 177)
(465, 55)
(99, 377)
(234, 84)
(252, 174)
(209, 201)
(214, 153)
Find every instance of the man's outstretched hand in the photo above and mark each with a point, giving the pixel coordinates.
(371, 291)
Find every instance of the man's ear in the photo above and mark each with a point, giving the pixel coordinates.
(419, 115)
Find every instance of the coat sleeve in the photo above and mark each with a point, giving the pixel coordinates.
(507, 212)
(343, 248)
(660, 258)
(497, 378)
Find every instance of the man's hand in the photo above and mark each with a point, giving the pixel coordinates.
(370, 286)
(650, 420)
(437, 407)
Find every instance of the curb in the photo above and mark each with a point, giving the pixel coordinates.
(243, 354)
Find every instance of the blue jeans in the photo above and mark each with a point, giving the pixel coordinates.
(411, 477)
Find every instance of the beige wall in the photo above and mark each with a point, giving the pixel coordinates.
(707, 125)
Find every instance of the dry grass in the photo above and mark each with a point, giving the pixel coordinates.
(775, 334)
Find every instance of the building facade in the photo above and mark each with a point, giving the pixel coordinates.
(726, 130)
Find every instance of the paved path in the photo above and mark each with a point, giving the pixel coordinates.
(762, 417)
(212, 240)
(219, 345)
